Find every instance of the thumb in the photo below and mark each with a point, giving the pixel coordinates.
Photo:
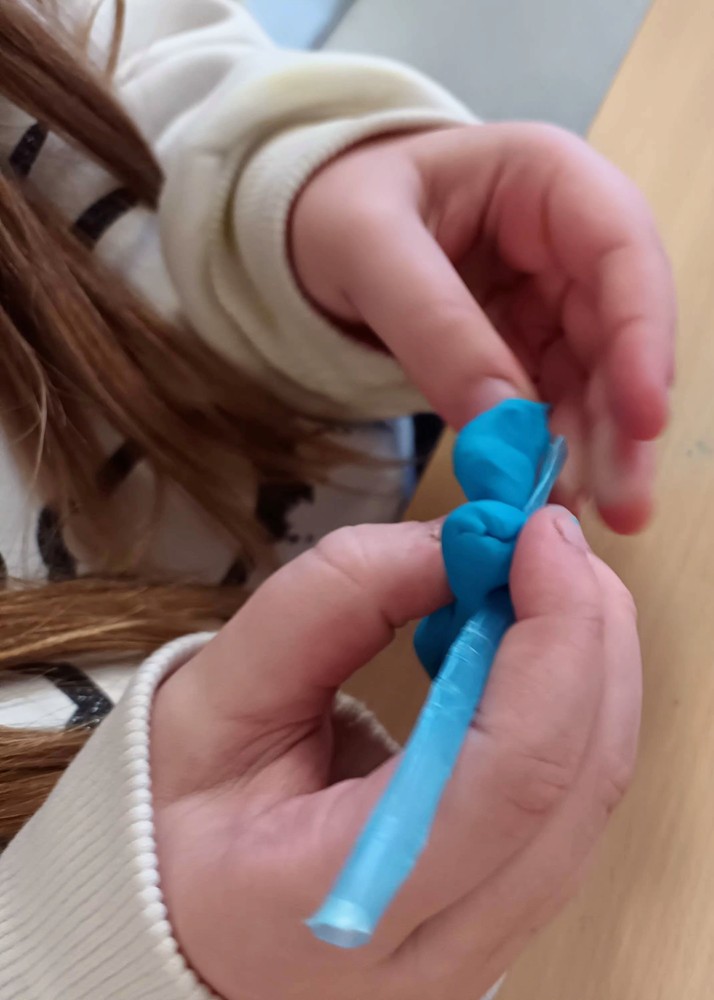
(409, 293)
(522, 758)
(278, 663)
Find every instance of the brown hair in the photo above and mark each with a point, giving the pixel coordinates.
(76, 340)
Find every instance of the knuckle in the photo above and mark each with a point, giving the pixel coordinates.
(538, 779)
(455, 319)
(582, 633)
(626, 600)
(554, 139)
(569, 644)
(618, 592)
(346, 552)
(615, 780)
(592, 625)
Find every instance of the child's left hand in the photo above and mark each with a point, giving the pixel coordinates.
(498, 260)
(261, 783)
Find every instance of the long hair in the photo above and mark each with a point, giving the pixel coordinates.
(81, 350)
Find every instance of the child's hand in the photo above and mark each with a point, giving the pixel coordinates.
(259, 787)
(502, 259)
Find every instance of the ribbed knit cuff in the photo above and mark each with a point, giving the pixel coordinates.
(81, 911)
(339, 374)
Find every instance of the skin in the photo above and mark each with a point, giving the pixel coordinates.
(492, 261)
(261, 785)
(504, 260)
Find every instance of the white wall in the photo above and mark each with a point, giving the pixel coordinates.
(551, 59)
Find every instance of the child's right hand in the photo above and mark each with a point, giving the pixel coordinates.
(260, 787)
(502, 260)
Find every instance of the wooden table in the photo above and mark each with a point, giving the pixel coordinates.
(643, 927)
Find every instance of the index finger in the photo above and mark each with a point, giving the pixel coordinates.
(276, 665)
(620, 309)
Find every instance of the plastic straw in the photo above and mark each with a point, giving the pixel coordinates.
(398, 829)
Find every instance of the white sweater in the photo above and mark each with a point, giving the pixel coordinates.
(238, 126)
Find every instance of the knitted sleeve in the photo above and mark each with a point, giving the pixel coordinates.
(81, 910)
(240, 126)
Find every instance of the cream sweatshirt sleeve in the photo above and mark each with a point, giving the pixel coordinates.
(239, 127)
(81, 911)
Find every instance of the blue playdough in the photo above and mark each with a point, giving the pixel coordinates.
(497, 455)
(496, 460)
(506, 464)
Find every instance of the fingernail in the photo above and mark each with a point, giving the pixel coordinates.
(492, 391)
(568, 527)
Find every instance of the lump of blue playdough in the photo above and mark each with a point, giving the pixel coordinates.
(496, 460)
(496, 456)
(478, 541)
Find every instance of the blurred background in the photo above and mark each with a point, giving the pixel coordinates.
(542, 59)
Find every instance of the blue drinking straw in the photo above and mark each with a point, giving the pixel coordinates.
(398, 829)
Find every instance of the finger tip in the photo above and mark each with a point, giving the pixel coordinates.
(643, 415)
(627, 518)
(551, 562)
(537, 535)
(488, 393)
(624, 473)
